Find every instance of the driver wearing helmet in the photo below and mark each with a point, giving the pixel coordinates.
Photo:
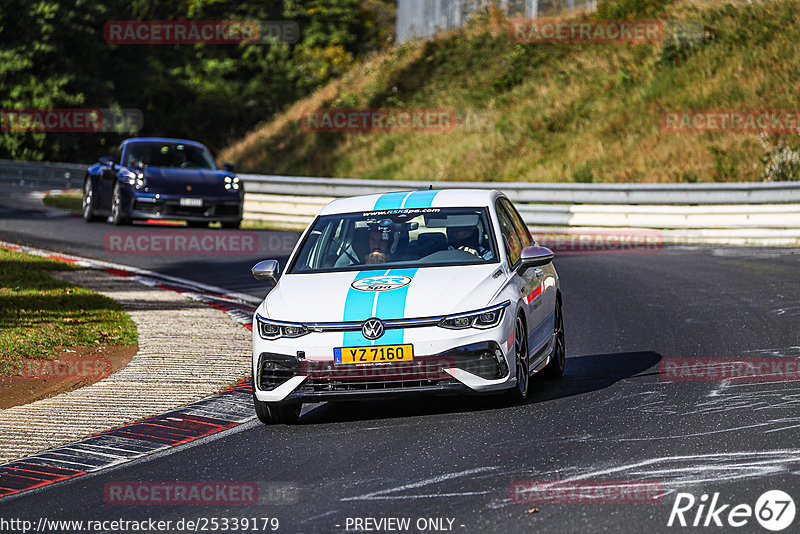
(466, 238)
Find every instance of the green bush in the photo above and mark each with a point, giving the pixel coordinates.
(630, 9)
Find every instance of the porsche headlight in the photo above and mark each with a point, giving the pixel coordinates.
(485, 318)
(268, 329)
(136, 179)
(232, 183)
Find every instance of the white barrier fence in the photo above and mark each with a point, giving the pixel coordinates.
(743, 213)
(423, 18)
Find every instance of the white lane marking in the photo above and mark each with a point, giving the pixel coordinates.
(382, 494)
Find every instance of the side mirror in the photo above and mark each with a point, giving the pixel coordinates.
(106, 161)
(534, 257)
(266, 270)
(228, 166)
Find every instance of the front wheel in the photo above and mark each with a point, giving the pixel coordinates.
(558, 359)
(197, 224)
(88, 201)
(520, 392)
(118, 216)
(276, 414)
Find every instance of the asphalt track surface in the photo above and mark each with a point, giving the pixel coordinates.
(613, 416)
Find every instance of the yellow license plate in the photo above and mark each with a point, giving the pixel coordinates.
(377, 354)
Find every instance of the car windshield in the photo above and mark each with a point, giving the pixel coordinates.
(176, 155)
(394, 238)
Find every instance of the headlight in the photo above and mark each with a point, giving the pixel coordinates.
(277, 329)
(136, 179)
(232, 183)
(485, 318)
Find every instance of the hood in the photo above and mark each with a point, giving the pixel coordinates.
(172, 181)
(432, 291)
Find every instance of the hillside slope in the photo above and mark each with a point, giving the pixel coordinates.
(580, 112)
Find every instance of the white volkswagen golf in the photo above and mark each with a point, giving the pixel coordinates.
(407, 293)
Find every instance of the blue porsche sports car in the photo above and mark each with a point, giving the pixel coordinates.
(157, 178)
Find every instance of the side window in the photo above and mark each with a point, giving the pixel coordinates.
(519, 225)
(511, 240)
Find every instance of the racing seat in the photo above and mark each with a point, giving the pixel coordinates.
(430, 242)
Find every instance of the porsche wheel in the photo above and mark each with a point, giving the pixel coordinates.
(118, 216)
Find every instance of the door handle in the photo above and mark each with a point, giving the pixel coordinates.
(538, 272)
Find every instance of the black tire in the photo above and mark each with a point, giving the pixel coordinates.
(118, 216)
(87, 203)
(555, 368)
(276, 414)
(232, 225)
(520, 392)
(197, 224)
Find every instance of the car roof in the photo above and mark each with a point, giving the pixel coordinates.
(163, 140)
(423, 198)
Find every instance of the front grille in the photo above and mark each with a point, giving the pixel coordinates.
(146, 206)
(224, 210)
(173, 208)
(327, 377)
(480, 359)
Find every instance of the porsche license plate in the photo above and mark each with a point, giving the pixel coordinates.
(377, 354)
(192, 202)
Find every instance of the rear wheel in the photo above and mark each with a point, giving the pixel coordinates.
(558, 359)
(197, 224)
(232, 225)
(88, 201)
(520, 392)
(276, 414)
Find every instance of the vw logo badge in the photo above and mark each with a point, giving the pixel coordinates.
(372, 328)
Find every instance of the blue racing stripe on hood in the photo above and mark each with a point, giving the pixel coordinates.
(358, 307)
(391, 304)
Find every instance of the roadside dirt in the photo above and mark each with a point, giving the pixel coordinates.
(75, 367)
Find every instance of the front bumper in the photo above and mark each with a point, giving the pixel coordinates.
(151, 206)
(478, 367)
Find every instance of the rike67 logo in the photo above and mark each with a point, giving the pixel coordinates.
(774, 510)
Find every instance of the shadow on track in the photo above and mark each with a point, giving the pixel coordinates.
(582, 375)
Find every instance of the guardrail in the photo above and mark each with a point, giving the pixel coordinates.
(34, 173)
(747, 213)
(566, 193)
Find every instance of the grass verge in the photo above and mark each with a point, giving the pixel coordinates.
(38, 313)
(64, 201)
